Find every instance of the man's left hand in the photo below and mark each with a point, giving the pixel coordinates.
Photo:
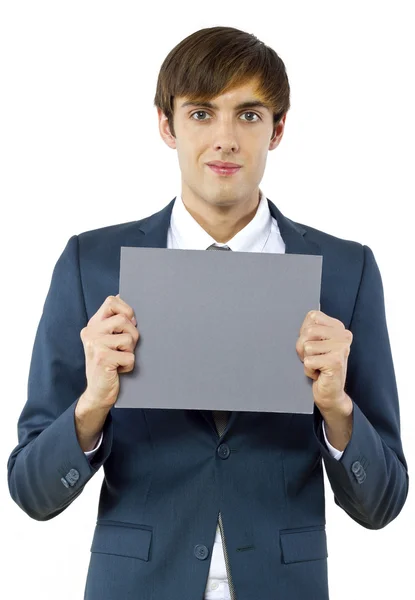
(323, 346)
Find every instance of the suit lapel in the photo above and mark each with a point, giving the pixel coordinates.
(155, 229)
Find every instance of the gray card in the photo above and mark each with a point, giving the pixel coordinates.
(218, 329)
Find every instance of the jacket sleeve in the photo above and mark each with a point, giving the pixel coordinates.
(47, 470)
(370, 481)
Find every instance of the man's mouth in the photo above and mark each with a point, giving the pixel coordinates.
(224, 170)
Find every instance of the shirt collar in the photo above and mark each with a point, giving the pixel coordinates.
(188, 234)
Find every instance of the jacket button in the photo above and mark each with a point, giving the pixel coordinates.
(361, 477)
(72, 477)
(201, 552)
(224, 451)
(359, 472)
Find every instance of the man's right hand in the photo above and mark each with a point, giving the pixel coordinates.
(109, 341)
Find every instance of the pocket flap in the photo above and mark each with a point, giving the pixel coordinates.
(298, 546)
(122, 540)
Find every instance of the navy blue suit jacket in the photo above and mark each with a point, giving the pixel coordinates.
(165, 480)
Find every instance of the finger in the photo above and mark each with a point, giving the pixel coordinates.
(319, 347)
(312, 333)
(313, 328)
(317, 317)
(119, 323)
(312, 373)
(117, 359)
(326, 363)
(317, 332)
(134, 321)
(113, 306)
(121, 342)
(332, 346)
(120, 299)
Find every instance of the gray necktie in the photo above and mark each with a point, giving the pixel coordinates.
(221, 419)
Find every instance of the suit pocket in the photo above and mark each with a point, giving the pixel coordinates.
(307, 543)
(122, 539)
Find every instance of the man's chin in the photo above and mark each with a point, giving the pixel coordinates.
(222, 196)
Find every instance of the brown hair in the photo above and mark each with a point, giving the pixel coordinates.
(214, 60)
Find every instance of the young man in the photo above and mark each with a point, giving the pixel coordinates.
(198, 504)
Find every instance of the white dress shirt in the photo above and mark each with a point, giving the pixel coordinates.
(261, 234)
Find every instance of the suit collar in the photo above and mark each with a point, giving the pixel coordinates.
(155, 229)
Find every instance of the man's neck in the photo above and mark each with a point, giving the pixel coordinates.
(220, 224)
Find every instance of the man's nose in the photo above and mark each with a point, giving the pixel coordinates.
(225, 136)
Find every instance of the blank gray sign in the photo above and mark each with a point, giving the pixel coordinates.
(218, 329)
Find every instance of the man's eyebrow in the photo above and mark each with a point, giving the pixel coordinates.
(247, 104)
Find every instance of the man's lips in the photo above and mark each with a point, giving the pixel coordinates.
(224, 164)
(224, 170)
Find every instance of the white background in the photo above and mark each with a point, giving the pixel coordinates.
(80, 149)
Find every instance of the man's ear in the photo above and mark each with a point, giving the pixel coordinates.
(278, 133)
(164, 129)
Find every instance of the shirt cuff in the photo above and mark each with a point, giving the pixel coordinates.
(337, 454)
(91, 453)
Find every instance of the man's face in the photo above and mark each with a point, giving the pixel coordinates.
(222, 132)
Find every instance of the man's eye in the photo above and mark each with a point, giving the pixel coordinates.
(199, 112)
(251, 113)
(203, 112)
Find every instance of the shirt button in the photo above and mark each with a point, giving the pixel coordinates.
(214, 585)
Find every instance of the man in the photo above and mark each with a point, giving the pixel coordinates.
(198, 504)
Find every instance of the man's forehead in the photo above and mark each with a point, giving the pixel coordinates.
(238, 98)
